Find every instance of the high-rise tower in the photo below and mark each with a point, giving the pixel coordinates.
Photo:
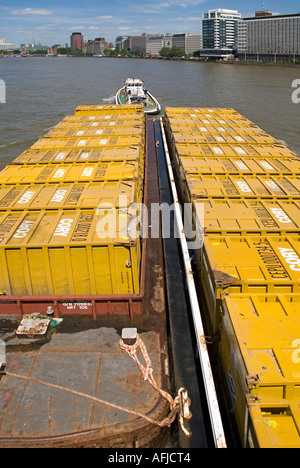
(219, 28)
(76, 42)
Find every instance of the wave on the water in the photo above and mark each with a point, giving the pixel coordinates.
(109, 99)
(13, 143)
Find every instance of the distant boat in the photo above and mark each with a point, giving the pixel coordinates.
(134, 92)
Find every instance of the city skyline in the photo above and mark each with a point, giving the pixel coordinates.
(49, 22)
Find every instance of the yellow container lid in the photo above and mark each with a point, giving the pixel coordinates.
(58, 196)
(255, 261)
(51, 173)
(243, 217)
(246, 165)
(36, 156)
(243, 186)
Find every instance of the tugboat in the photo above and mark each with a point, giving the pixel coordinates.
(134, 92)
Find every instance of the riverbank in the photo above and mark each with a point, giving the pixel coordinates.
(182, 59)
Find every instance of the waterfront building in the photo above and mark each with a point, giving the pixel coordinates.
(138, 44)
(188, 42)
(179, 41)
(6, 46)
(220, 29)
(270, 35)
(54, 49)
(77, 44)
(154, 44)
(132, 43)
(120, 42)
(168, 40)
(97, 46)
(193, 43)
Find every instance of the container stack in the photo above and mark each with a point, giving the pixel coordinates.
(64, 207)
(244, 186)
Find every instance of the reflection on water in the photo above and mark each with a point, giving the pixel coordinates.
(41, 91)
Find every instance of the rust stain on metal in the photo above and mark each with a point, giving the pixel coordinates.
(223, 280)
(157, 300)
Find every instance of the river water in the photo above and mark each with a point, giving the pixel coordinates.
(42, 91)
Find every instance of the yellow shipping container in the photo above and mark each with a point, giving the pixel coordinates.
(106, 154)
(86, 143)
(218, 138)
(68, 196)
(110, 109)
(194, 165)
(173, 111)
(174, 126)
(273, 425)
(109, 120)
(204, 113)
(66, 253)
(225, 150)
(249, 217)
(250, 264)
(260, 350)
(189, 120)
(136, 131)
(239, 186)
(68, 173)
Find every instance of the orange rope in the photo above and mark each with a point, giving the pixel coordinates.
(84, 395)
(147, 372)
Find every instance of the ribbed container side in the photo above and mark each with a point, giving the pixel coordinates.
(248, 217)
(67, 253)
(69, 196)
(110, 109)
(106, 154)
(197, 136)
(174, 126)
(173, 111)
(225, 121)
(204, 112)
(81, 142)
(260, 361)
(240, 186)
(70, 132)
(227, 150)
(273, 425)
(73, 173)
(189, 119)
(262, 166)
(107, 121)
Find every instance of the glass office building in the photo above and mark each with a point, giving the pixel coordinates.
(219, 29)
